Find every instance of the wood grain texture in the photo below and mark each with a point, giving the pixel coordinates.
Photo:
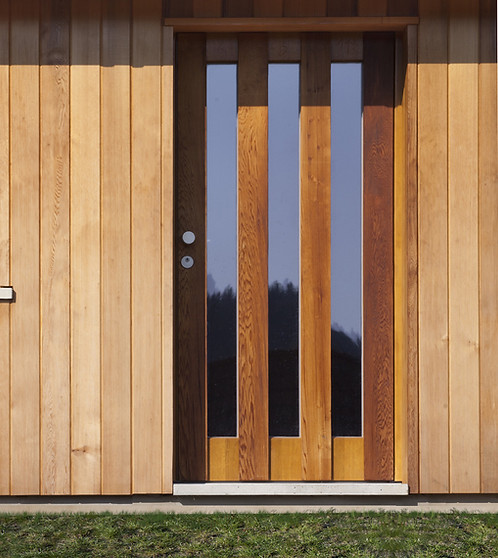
(411, 111)
(378, 75)
(349, 459)
(25, 246)
(238, 8)
(223, 459)
(488, 233)
(268, 8)
(342, 8)
(372, 7)
(400, 269)
(191, 283)
(146, 247)
(346, 47)
(305, 8)
(463, 247)
(207, 8)
(222, 48)
(285, 459)
(284, 48)
(116, 248)
(433, 248)
(85, 247)
(168, 257)
(54, 167)
(315, 259)
(4, 249)
(252, 286)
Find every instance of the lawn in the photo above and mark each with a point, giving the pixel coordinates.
(218, 535)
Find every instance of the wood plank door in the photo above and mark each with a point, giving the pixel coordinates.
(259, 394)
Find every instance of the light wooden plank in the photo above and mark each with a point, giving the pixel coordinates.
(207, 8)
(372, 7)
(315, 348)
(284, 48)
(115, 238)
(463, 54)
(346, 47)
(168, 256)
(285, 464)
(252, 286)
(25, 181)
(305, 8)
(55, 313)
(433, 251)
(241, 24)
(85, 247)
(378, 76)
(410, 100)
(146, 246)
(4, 249)
(191, 283)
(222, 48)
(488, 227)
(349, 459)
(223, 459)
(400, 269)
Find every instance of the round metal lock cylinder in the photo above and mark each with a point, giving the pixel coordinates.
(187, 262)
(188, 237)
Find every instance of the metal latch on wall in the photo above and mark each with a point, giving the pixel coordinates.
(7, 294)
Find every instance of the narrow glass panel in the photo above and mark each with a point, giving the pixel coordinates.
(346, 271)
(221, 124)
(283, 251)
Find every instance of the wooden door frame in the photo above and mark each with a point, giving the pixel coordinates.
(405, 249)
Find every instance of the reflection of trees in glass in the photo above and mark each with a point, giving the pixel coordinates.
(283, 339)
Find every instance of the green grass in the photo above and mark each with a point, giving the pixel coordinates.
(219, 535)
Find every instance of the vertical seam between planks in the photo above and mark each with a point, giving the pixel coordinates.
(448, 236)
(9, 71)
(40, 277)
(101, 241)
(70, 192)
(131, 325)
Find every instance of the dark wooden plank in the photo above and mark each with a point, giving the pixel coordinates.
(370, 8)
(238, 8)
(315, 258)
(378, 75)
(191, 283)
(207, 8)
(253, 256)
(342, 8)
(402, 8)
(305, 8)
(268, 8)
(179, 8)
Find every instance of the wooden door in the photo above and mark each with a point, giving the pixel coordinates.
(313, 452)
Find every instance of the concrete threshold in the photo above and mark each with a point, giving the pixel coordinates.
(291, 489)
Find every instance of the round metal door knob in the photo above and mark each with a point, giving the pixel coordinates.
(188, 237)
(187, 262)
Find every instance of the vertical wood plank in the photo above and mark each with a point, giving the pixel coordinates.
(55, 312)
(400, 268)
(463, 254)
(85, 247)
(315, 258)
(371, 8)
(488, 227)
(190, 309)
(179, 8)
(285, 464)
(402, 8)
(115, 238)
(167, 255)
(378, 76)
(146, 246)
(433, 247)
(411, 111)
(253, 256)
(238, 8)
(349, 459)
(4, 248)
(25, 245)
(346, 47)
(305, 8)
(223, 459)
(268, 8)
(207, 8)
(342, 8)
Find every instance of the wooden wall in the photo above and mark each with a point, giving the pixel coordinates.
(458, 254)
(85, 239)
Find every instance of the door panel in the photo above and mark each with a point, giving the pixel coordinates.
(253, 454)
